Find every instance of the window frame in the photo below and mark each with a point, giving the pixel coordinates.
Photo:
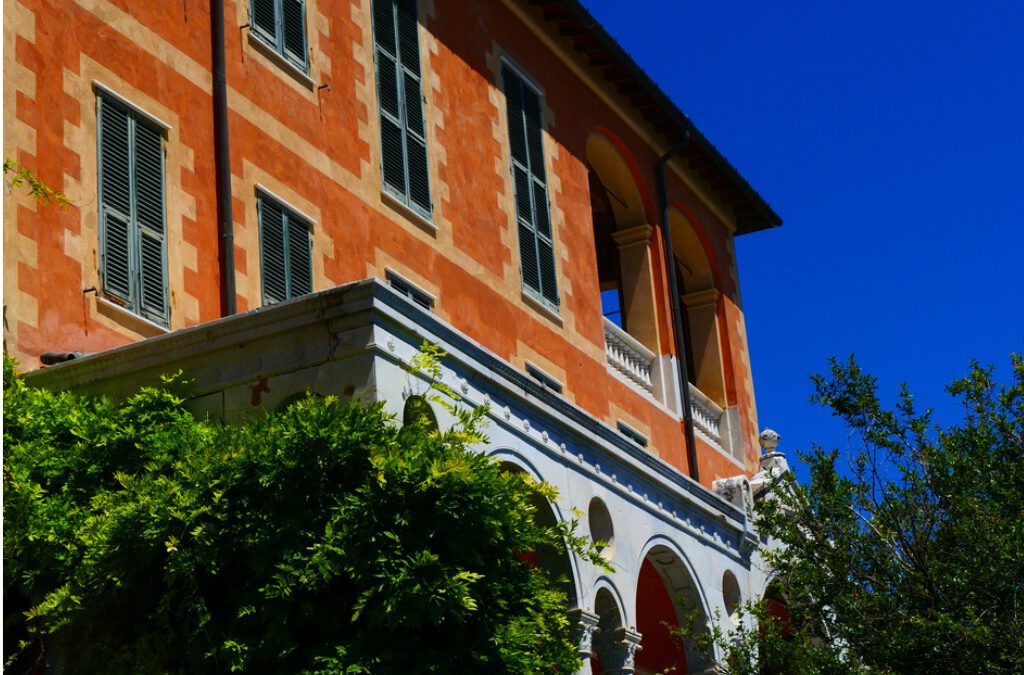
(405, 199)
(409, 290)
(276, 43)
(553, 302)
(543, 378)
(134, 301)
(288, 215)
(632, 434)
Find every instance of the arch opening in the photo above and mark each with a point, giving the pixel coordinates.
(609, 624)
(731, 595)
(291, 399)
(417, 412)
(668, 599)
(777, 608)
(622, 242)
(554, 561)
(699, 299)
(602, 530)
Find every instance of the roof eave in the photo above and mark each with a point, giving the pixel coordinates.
(752, 212)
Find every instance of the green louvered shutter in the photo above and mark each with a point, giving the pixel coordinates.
(263, 15)
(286, 252)
(536, 244)
(293, 31)
(400, 100)
(412, 97)
(115, 200)
(133, 254)
(300, 259)
(273, 260)
(149, 216)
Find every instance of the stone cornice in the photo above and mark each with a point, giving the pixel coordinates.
(232, 349)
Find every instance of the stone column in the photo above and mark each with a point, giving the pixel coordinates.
(638, 284)
(616, 649)
(705, 344)
(584, 625)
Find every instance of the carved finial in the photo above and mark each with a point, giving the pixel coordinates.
(772, 465)
(769, 439)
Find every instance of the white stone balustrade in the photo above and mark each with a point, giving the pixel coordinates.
(628, 356)
(707, 415)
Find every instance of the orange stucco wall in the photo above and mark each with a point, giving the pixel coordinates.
(318, 149)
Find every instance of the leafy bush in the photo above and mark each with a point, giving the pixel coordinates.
(322, 539)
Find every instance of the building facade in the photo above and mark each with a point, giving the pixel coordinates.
(354, 177)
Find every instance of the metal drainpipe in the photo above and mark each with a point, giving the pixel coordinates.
(222, 154)
(677, 312)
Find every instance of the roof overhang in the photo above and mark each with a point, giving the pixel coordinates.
(603, 53)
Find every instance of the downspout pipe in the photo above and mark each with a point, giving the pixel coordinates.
(222, 157)
(677, 310)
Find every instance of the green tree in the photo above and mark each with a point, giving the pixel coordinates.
(44, 194)
(322, 539)
(767, 642)
(911, 559)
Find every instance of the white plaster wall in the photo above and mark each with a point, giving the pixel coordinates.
(551, 453)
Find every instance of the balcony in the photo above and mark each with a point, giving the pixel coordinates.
(627, 356)
(642, 368)
(708, 417)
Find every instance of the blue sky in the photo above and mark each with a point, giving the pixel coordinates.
(890, 138)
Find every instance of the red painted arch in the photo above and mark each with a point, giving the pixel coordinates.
(705, 241)
(632, 165)
(655, 616)
(725, 335)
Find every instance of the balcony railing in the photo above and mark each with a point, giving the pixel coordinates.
(628, 356)
(636, 363)
(707, 415)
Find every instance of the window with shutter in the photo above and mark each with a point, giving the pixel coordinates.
(286, 251)
(281, 25)
(400, 101)
(536, 244)
(133, 254)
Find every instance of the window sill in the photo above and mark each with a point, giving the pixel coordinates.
(296, 73)
(129, 319)
(543, 308)
(409, 213)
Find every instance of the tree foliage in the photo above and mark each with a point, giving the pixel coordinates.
(16, 175)
(911, 558)
(758, 640)
(322, 539)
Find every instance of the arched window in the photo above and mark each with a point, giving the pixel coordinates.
(609, 272)
(554, 561)
(622, 238)
(417, 411)
(699, 300)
